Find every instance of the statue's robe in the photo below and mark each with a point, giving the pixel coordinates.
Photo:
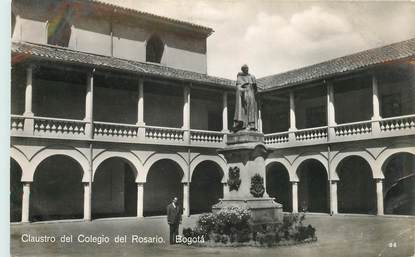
(246, 107)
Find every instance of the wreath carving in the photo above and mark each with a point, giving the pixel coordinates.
(234, 180)
(257, 186)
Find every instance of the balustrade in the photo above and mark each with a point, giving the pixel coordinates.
(397, 123)
(206, 136)
(162, 133)
(355, 128)
(276, 138)
(17, 123)
(115, 130)
(311, 134)
(52, 126)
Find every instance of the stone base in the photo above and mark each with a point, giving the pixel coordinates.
(245, 137)
(263, 210)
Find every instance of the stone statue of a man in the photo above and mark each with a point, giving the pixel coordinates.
(246, 106)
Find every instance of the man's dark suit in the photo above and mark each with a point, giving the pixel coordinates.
(174, 218)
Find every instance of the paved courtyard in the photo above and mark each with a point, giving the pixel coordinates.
(351, 235)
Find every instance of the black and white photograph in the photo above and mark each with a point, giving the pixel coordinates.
(211, 128)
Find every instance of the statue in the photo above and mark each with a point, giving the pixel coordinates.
(246, 106)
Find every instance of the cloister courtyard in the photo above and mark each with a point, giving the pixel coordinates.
(338, 235)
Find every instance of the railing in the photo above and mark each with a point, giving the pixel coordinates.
(131, 133)
(397, 123)
(17, 123)
(206, 136)
(54, 126)
(311, 134)
(276, 138)
(353, 128)
(162, 133)
(107, 129)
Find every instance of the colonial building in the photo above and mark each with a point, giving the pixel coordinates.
(113, 114)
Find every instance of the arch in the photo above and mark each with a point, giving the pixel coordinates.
(356, 187)
(381, 160)
(284, 162)
(142, 178)
(215, 159)
(313, 186)
(25, 165)
(16, 191)
(154, 49)
(73, 153)
(164, 181)
(114, 190)
(304, 158)
(376, 174)
(57, 191)
(132, 159)
(278, 184)
(206, 187)
(399, 183)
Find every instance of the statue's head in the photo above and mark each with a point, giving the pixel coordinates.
(244, 68)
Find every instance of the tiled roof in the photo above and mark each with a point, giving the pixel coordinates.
(157, 18)
(22, 51)
(338, 66)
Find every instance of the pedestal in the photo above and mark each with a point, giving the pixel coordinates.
(245, 154)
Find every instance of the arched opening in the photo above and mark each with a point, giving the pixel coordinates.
(16, 191)
(114, 191)
(313, 187)
(57, 191)
(163, 183)
(206, 187)
(356, 188)
(59, 30)
(278, 185)
(154, 49)
(399, 184)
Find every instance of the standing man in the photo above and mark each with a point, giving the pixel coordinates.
(246, 103)
(174, 218)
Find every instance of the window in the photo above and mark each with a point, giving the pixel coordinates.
(59, 30)
(154, 49)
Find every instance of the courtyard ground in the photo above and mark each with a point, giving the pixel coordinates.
(339, 235)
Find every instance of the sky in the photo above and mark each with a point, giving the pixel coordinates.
(275, 36)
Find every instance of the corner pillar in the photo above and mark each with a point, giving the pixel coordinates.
(186, 199)
(331, 112)
(25, 201)
(333, 197)
(28, 113)
(89, 102)
(186, 114)
(140, 109)
(87, 201)
(379, 196)
(294, 187)
(140, 200)
(376, 106)
(293, 126)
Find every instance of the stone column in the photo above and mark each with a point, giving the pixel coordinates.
(186, 199)
(331, 113)
(259, 120)
(293, 126)
(186, 113)
(140, 109)
(376, 106)
(140, 199)
(225, 128)
(294, 185)
(333, 197)
(89, 102)
(28, 122)
(25, 201)
(225, 190)
(379, 194)
(87, 201)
